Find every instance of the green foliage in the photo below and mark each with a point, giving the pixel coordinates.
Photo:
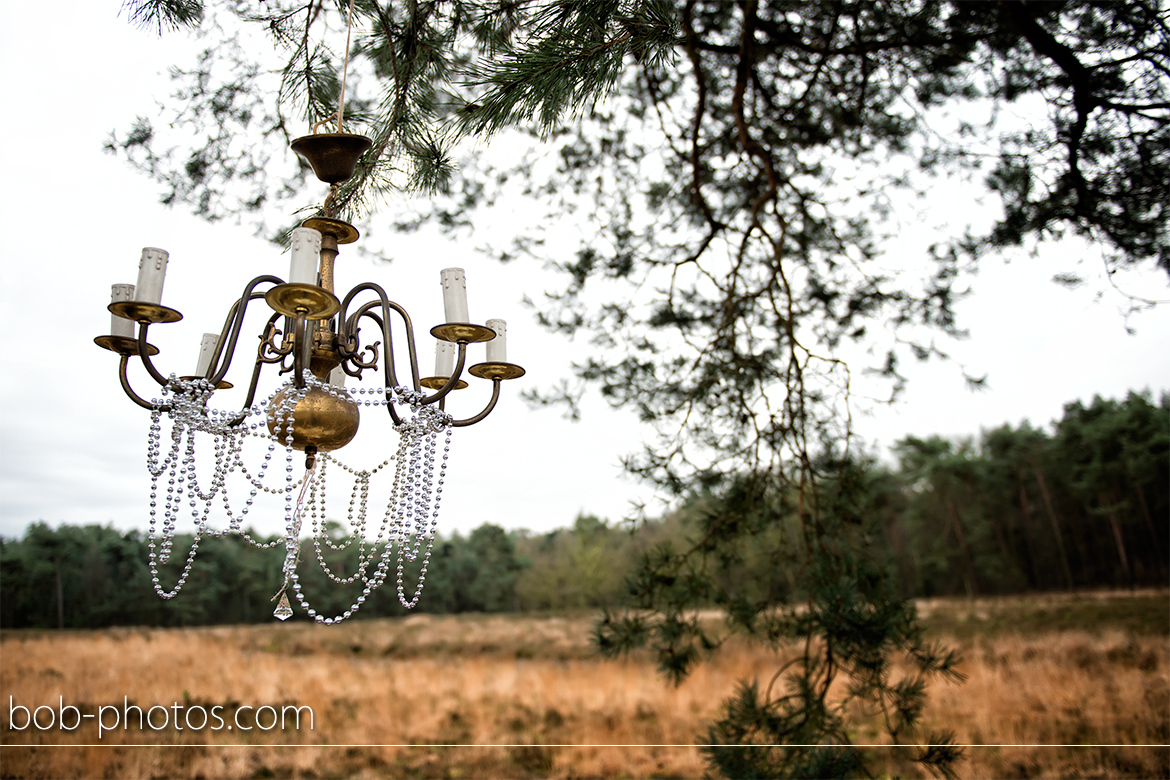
(1101, 153)
(165, 14)
(581, 567)
(496, 570)
(762, 108)
(572, 55)
(421, 75)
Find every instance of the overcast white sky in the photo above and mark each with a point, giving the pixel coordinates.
(72, 447)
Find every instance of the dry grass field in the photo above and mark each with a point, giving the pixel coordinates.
(413, 697)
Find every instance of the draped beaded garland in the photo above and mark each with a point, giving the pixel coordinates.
(408, 525)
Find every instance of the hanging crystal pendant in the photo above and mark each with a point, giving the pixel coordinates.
(283, 610)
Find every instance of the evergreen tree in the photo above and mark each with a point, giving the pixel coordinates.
(1115, 455)
(494, 586)
(739, 158)
(1017, 460)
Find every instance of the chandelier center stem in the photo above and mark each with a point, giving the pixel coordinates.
(329, 254)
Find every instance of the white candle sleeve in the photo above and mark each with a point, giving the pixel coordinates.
(306, 255)
(206, 350)
(497, 348)
(445, 353)
(120, 326)
(454, 294)
(152, 269)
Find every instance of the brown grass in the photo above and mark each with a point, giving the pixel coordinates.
(385, 693)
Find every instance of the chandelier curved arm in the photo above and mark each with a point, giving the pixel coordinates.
(350, 334)
(388, 372)
(353, 346)
(487, 410)
(123, 365)
(144, 353)
(452, 381)
(229, 334)
(351, 354)
(411, 353)
(240, 307)
(351, 341)
(243, 414)
(270, 328)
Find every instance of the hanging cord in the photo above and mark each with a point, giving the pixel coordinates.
(340, 114)
(308, 58)
(345, 67)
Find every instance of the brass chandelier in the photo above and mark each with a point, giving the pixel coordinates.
(316, 339)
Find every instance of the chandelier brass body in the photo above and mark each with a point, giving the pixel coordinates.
(320, 419)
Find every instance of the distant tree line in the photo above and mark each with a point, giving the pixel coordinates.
(1086, 505)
